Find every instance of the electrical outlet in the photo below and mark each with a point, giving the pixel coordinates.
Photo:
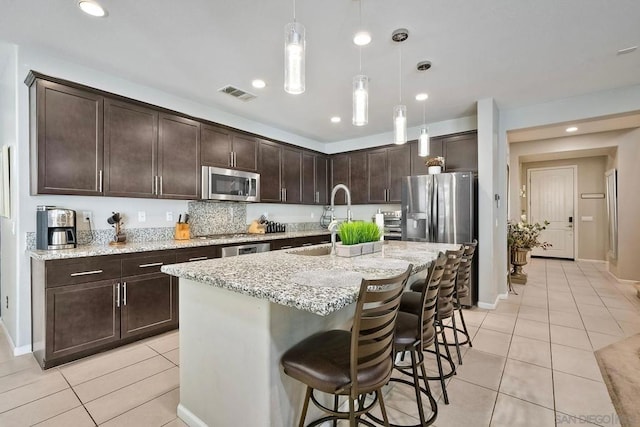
(86, 216)
(170, 216)
(142, 216)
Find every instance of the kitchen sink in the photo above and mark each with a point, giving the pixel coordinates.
(324, 250)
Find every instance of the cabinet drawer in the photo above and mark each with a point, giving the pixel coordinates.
(198, 254)
(146, 264)
(87, 270)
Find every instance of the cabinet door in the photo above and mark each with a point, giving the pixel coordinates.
(292, 174)
(308, 178)
(178, 158)
(69, 140)
(270, 160)
(245, 149)
(398, 166)
(340, 165)
(461, 152)
(378, 180)
(130, 144)
(148, 304)
(215, 146)
(358, 177)
(81, 317)
(322, 174)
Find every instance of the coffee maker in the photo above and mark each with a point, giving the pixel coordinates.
(56, 228)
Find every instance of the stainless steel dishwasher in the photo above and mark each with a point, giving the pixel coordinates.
(251, 248)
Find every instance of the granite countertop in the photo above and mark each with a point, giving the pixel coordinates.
(318, 284)
(97, 250)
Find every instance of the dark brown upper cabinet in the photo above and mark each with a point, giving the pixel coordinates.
(178, 158)
(358, 181)
(386, 168)
(270, 173)
(418, 164)
(224, 148)
(314, 178)
(460, 152)
(66, 140)
(340, 166)
(280, 173)
(130, 149)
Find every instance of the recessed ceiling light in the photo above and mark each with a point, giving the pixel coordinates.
(422, 96)
(91, 7)
(362, 38)
(571, 129)
(335, 119)
(258, 83)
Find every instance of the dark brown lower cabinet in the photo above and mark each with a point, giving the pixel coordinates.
(83, 306)
(148, 303)
(81, 317)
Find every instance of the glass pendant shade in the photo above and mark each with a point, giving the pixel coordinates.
(400, 124)
(294, 52)
(360, 100)
(423, 142)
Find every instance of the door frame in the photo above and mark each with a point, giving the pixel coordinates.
(575, 200)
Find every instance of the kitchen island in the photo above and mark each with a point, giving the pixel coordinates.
(239, 315)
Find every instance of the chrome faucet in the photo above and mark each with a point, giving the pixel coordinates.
(333, 225)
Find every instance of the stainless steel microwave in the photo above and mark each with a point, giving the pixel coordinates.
(229, 184)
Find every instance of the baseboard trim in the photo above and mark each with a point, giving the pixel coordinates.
(17, 351)
(189, 417)
(622, 280)
(504, 296)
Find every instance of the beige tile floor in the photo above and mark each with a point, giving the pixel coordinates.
(532, 364)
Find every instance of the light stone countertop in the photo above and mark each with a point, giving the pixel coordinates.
(97, 250)
(318, 284)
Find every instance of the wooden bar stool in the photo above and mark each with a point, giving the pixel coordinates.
(351, 363)
(415, 333)
(411, 303)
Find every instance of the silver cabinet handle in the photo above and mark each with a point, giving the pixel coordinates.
(198, 258)
(124, 293)
(118, 295)
(285, 194)
(235, 159)
(325, 241)
(100, 180)
(282, 194)
(155, 185)
(286, 247)
(86, 273)
(153, 264)
(230, 158)
(307, 244)
(160, 185)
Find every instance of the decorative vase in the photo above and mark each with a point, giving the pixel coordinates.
(433, 170)
(518, 259)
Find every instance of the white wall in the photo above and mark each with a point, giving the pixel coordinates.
(492, 240)
(8, 239)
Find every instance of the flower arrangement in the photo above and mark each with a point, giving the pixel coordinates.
(435, 161)
(525, 235)
(352, 233)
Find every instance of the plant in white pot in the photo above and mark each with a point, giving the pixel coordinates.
(358, 238)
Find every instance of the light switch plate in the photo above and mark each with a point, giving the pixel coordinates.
(169, 216)
(142, 216)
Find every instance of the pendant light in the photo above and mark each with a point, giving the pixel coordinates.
(360, 89)
(423, 139)
(400, 110)
(294, 56)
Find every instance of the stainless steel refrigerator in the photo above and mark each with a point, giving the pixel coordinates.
(442, 208)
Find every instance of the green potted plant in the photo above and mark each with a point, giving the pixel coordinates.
(521, 238)
(358, 238)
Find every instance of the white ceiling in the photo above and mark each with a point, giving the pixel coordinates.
(518, 52)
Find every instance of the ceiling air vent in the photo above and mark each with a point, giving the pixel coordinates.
(237, 93)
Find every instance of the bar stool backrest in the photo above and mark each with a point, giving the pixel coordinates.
(374, 324)
(448, 281)
(464, 270)
(430, 294)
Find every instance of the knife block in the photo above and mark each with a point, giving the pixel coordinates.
(182, 231)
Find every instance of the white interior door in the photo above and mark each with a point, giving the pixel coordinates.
(551, 198)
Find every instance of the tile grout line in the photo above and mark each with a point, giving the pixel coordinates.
(137, 406)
